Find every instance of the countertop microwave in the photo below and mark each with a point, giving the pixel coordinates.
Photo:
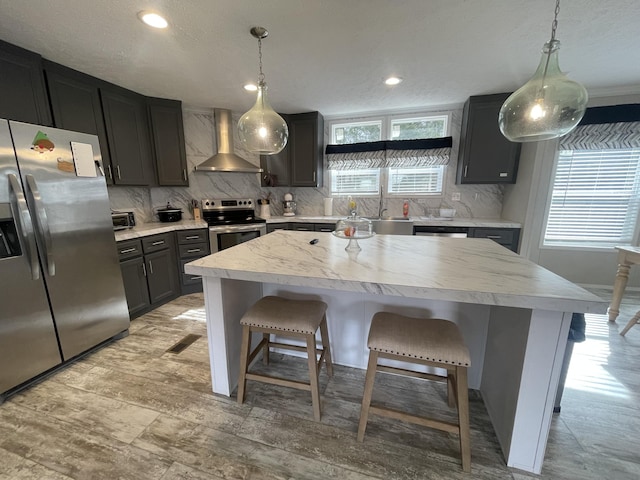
(123, 220)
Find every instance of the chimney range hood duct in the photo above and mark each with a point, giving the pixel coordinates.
(225, 160)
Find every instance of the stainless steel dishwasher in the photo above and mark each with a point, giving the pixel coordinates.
(441, 231)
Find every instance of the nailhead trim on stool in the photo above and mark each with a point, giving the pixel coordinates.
(288, 318)
(425, 341)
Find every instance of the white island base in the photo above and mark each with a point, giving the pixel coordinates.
(516, 347)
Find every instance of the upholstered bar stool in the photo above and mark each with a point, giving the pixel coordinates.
(432, 342)
(286, 318)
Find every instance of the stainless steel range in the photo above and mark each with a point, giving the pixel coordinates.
(231, 222)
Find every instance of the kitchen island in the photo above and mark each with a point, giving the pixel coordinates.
(514, 314)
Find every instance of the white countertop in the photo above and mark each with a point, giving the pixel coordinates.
(429, 221)
(468, 270)
(146, 229)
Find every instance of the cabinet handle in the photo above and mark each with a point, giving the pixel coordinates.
(159, 242)
(110, 172)
(195, 278)
(150, 267)
(192, 237)
(127, 250)
(314, 177)
(494, 237)
(184, 174)
(144, 269)
(118, 170)
(465, 170)
(193, 250)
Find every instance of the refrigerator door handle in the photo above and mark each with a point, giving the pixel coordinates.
(42, 223)
(26, 226)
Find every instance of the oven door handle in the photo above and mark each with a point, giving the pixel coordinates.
(251, 227)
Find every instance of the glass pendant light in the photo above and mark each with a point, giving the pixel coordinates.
(549, 105)
(261, 129)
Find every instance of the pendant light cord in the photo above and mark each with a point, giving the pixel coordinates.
(554, 26)
(261, 75)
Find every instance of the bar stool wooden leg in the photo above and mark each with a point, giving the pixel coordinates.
(313, 375)
(244, 362)
(324, 335)
(451, 388)
(462, 394)
(368, 392)
(635, 319)
(265, 349)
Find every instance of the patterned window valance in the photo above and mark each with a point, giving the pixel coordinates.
(390, 153)
(613, 127)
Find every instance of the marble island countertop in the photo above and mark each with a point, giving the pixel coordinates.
(417, 220)
(466, 270)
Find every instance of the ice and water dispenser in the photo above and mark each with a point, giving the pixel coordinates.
(9, 244)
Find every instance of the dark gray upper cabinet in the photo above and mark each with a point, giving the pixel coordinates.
(127, 126)
(276, 168)
(167, 133)
(23, 95)
(75, 103)
(485, 155)
(306, 135)
(300, 163)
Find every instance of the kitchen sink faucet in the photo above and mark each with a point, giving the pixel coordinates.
(380, 209)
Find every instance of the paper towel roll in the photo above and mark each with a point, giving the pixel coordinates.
(328, 207)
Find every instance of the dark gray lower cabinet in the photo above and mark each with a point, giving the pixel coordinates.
(272, 227)
(303, 227)
(149, 272)
(324, 227)
(507, 237)
(192, 244)
(135, 286)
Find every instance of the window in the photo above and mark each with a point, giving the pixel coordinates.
(595, 199)
(356, 132)
(424, 127)
(355, 182)
(409, 181)
(395, 181)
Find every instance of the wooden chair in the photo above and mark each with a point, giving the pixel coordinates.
(431, 342)
(286, 318)
(634, 321)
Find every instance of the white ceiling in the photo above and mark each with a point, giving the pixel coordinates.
(331, 55)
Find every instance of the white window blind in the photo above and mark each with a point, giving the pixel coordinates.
(355, 182)
(595, 199)
(416, 181)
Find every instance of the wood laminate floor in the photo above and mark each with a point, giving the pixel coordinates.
(132, 410)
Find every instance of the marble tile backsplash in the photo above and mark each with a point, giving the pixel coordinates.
(477, 201)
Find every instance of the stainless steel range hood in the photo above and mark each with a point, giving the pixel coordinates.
(225, 160)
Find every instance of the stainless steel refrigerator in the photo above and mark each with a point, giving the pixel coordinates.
(61, 290)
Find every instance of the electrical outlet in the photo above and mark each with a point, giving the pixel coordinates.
(455, 197)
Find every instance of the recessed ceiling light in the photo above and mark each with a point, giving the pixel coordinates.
(153, 19)
(393, 80)
(250, 87)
